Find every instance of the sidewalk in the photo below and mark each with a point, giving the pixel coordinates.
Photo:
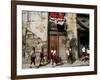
(65, 64)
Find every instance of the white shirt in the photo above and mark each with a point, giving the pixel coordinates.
(54, 52)
(67, 52)
(83, 49)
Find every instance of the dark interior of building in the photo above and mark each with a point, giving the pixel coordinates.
(83, 31)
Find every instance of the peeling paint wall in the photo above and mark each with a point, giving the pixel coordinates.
(34, 30)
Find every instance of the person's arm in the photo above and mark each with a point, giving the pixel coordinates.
(31, 52)
(51, 51)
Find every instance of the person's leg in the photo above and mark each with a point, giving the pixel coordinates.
(83, 57)
(31, 62)
(71, 59)
(43, 60)
(34, 61)
(40, 61)
(68, 59)
(56, 60)
(52, 62)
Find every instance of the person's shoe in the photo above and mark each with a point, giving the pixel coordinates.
(37, 66)
(40, 64)
(30, 66)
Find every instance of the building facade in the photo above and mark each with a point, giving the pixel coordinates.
(50, 30)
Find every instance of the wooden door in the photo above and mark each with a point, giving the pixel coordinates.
(53, 43)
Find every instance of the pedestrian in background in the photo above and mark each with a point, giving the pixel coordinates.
(70, 56)
(33, 56)
(41, 57)
(83, 53)
(54, 57)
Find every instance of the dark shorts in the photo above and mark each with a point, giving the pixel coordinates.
(32, 59)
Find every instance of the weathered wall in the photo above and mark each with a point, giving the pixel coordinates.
(62, 47)
(34, 30)
(72, 33)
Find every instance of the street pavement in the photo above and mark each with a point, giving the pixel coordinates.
(64, 64)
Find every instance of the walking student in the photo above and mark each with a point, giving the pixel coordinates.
(69, 54)
(33, 56)
(41, 57)
(54, 57)
(83, 53)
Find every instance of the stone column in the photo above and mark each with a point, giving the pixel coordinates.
(72, 32)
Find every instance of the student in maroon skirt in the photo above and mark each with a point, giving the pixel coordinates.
(83, 53)
(41, 56)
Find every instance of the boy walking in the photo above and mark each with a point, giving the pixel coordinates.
(33, 56)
